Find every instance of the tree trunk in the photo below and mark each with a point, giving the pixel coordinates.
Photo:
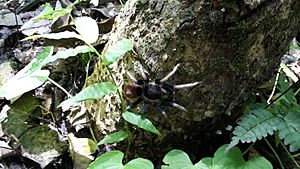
(231, 47)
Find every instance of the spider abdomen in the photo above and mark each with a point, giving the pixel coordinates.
(156, 92)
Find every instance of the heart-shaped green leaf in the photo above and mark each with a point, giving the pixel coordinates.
(233, 159)
(139, 163)
(109, 160)
(177, 159)
(113, 160)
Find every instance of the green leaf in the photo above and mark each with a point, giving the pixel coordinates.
(109, 160)
(35, 64)
(139, 163)
(81, 149)
(232, 159)
(115, 52)
(83, 146)
(140, 121)
(257, 163)
(94, 91)
(87, 28)
(113, 138)
(49, 13)
(46, 11)
(54, 14)
(67, 53)
(290, 131)
(289, 72)
(204, 163)
(113, 160)
(29, 78)
(19, 85)
(44, 59)
(59, 35)
(177, 159)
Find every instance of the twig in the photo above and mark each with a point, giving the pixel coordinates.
(280, 162)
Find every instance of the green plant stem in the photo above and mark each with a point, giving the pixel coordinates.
(248, 149)
(280, 162)
(59, 86)
(111, 75)
(296, 155)
(51, 114)
(120, 96)
(129, 140)
(87, 71)
(92, 133)
(289, 154)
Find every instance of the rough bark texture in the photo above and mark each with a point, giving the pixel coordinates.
(231, 47)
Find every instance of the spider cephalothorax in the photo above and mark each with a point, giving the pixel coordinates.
(157, 94)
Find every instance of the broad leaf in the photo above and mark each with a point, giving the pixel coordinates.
(228, 160)
(82, 146)
(94, 91)
(30, 68)
(177, 159)
(204, 163)
(113, 160)
(139, 163)
(87, 28)
(113, 138)
(37, 63)
(289, 72)
(109, 160)
(29, 78)
(81, 150)
(115, 52)
(140, 121)
(233, 159)
(46, 11)
(59, 35)
(16, 87)
(45, 59)
(257, 163)
(49, 13)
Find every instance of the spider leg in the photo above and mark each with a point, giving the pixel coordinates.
(144, 107)
(188, 85)
(175, 105)
(170, 74)
(160, 110)
(134, 104)
(143, 73)
(131, 77)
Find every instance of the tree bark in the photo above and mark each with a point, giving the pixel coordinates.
(231, 47)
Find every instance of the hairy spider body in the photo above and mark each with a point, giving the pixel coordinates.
(157, 94)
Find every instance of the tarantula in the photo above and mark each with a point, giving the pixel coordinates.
(157, 94)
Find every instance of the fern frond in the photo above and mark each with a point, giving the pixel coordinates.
(289, 131)
(255, 126)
